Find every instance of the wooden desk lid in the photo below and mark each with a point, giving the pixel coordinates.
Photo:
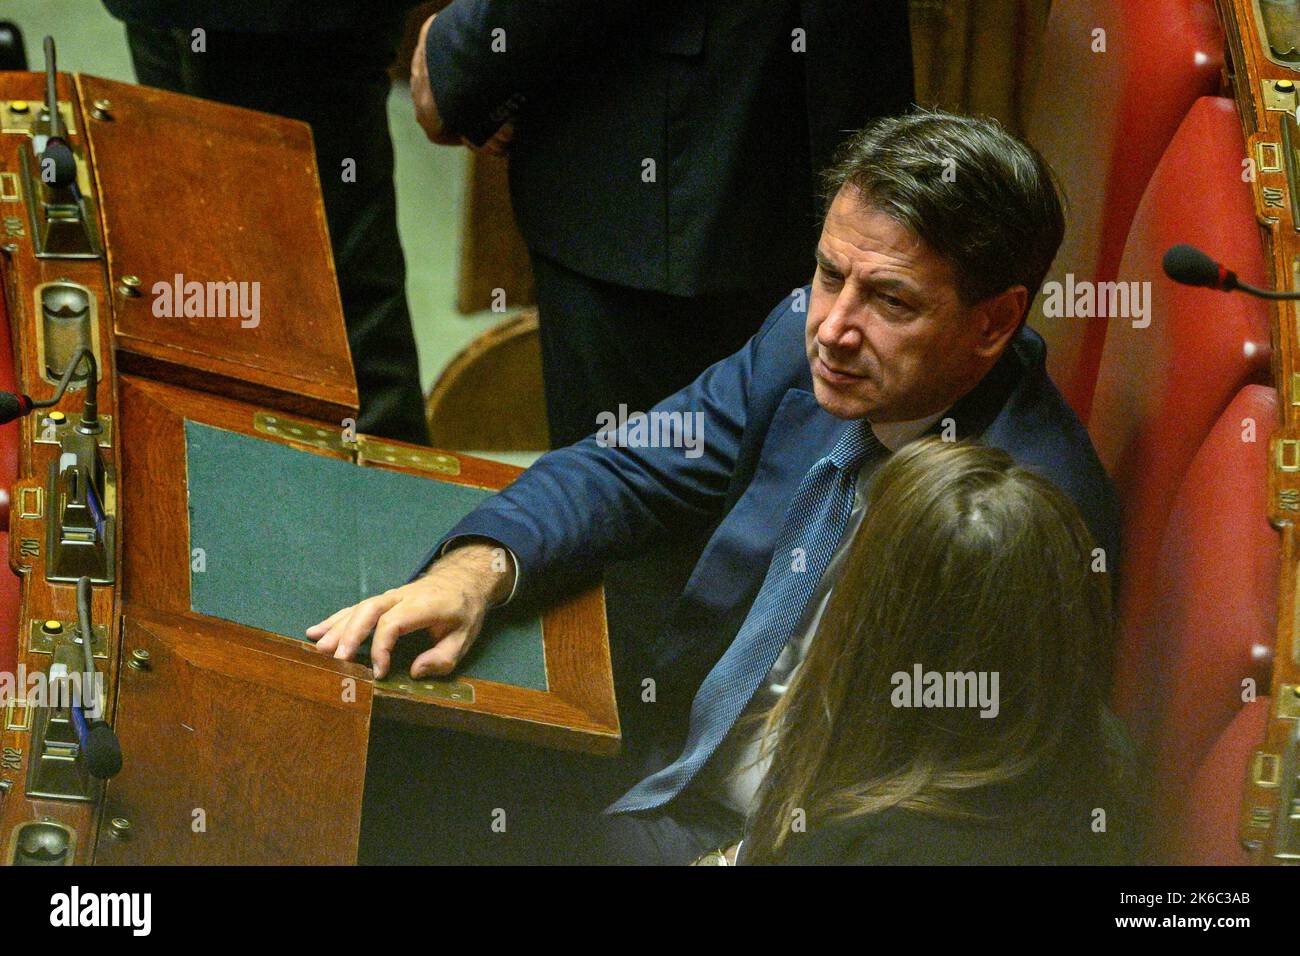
(216, 195)
(162, 505)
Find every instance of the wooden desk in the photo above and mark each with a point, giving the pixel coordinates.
(230, 734)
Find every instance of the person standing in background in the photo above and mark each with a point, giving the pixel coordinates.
(662, 163)
(326, 64)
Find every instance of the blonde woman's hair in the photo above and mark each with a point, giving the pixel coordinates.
(964, 562)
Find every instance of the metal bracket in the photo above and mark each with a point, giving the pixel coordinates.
(456, 690)
(63, 222)
(54, 766)
(43, 636)
(81, 525)
(303, 432)
(54, 425)
(22, 116)
(365, 450)
(381, 452)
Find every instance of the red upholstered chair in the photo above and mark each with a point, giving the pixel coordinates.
(1214, 609)
(1160, 56)
(1207, 830)
(1161, 388)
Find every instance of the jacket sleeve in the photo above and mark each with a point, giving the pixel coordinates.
(487, 57)
(579, 508)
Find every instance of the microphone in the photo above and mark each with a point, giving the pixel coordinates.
(99, 746)
(1190, 266)
(13, 406)
(103, 752)
(63, 164)
(56, 151)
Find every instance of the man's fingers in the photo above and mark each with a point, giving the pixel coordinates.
(417, 56)
(329, 640)
(497, 145)
(403, 618)
(317, 630)
(443, 657)
(361, 622)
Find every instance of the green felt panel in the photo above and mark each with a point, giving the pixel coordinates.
(289, 537)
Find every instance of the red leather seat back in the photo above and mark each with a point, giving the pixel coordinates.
(1214, 612)
(1159, 56)
(1207, 832)
(1161, 387)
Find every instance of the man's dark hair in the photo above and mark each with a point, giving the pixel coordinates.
(982, 199)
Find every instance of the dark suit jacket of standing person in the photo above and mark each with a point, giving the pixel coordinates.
(578, 508)
(257, 16)
(735, 121)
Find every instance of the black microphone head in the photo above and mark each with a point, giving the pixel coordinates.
(103, 753)
(58, 165)
(12, 406)
(1190, 266)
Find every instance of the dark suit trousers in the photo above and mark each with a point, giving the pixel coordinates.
(437, 797)
(338, 83)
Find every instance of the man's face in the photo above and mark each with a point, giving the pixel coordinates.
(887, 337)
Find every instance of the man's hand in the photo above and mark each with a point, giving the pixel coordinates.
(426, 109)
(499, 144)
(450, 601)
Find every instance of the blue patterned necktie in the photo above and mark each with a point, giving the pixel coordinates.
(815, 522)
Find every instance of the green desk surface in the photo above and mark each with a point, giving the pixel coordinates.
(288, 537)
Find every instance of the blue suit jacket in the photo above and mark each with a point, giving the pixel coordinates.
(581, 507)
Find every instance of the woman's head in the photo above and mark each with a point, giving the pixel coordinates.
(971, 568)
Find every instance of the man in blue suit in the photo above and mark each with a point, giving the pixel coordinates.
(938, 234)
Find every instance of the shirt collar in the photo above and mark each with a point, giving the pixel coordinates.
(894, 435)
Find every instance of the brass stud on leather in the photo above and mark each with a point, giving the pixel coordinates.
(100, 110)
(120, 827)
(129, 285)
(140, 659)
